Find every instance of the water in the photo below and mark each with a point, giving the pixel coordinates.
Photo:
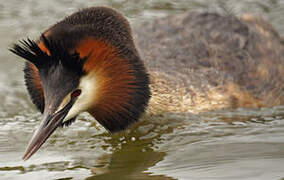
(236, 144)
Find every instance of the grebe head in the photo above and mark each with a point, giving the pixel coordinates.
(95, 75)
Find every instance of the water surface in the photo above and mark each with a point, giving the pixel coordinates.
(231, 144)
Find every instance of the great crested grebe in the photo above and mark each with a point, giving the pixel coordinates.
(198, 62)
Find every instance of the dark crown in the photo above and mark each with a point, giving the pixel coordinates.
(29, 50)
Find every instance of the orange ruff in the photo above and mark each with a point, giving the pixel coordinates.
(43, 48)
(36, 82)
(113, 73)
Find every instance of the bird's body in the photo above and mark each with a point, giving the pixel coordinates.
(205, 61)
(197, 62)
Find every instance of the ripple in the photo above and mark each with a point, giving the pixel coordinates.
(243, 143)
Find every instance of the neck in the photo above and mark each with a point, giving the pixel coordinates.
(122, 91)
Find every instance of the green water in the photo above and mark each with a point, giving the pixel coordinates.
(239, 144)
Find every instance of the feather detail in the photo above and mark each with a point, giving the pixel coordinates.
(47, 54)
(122, 91)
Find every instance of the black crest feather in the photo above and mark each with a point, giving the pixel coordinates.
(29, 50)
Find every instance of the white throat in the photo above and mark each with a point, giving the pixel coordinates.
(88, 86)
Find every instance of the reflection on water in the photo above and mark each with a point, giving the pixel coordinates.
(239, 144)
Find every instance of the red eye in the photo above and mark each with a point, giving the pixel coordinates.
(76, 93)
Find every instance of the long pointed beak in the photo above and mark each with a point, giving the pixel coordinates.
(47, 126)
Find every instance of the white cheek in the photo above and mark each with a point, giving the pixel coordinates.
(86, 98)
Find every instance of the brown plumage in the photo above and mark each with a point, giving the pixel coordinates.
(206, 61)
